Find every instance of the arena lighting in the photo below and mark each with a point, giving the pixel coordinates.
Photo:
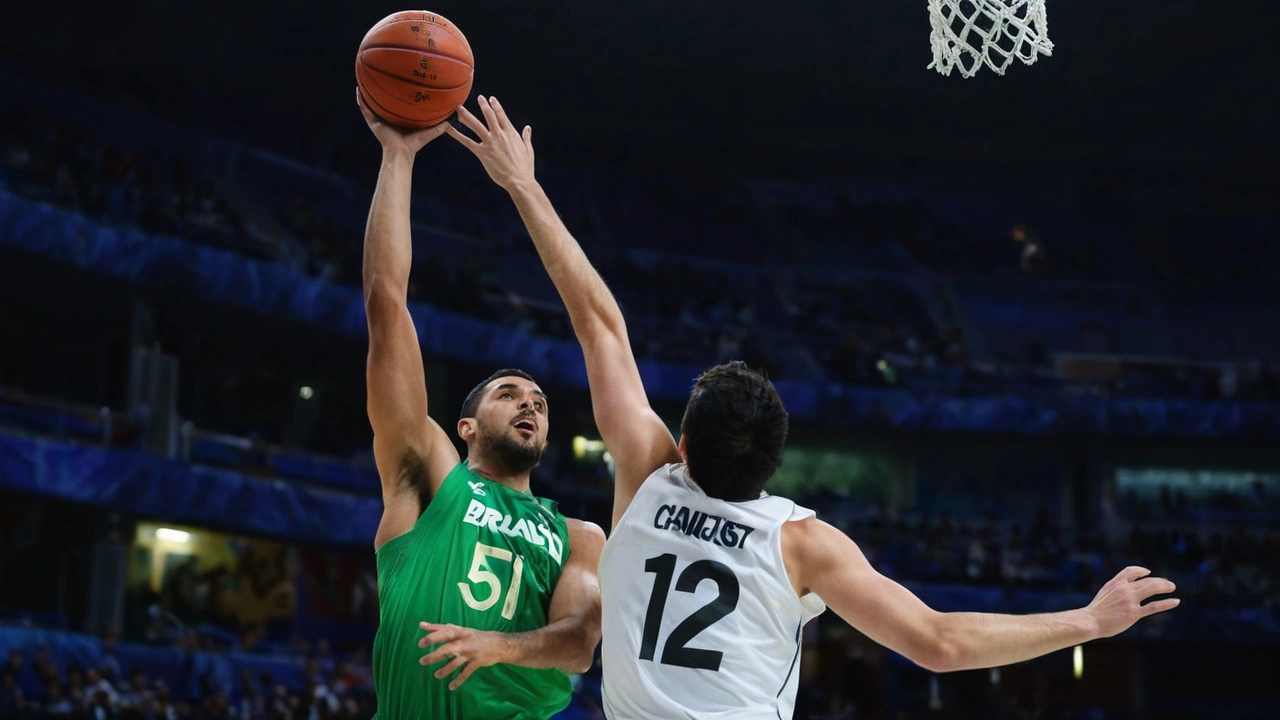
(305, 392)
(582, 446)
(1077, 661)
(178, 536)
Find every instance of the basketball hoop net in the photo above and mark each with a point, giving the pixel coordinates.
(970, 33)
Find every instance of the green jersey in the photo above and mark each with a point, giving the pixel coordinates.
(482, 556)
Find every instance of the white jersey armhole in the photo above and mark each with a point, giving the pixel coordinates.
(810, 602)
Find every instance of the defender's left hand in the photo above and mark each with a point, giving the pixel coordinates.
(506, 153)
(462, 647)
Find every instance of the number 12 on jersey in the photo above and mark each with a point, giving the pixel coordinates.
(481, 574)
(676, 650)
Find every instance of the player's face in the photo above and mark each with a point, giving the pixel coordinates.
(511, 423)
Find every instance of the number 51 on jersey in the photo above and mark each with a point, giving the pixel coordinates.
(480, 574)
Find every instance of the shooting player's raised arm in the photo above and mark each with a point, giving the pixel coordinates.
(412, 452)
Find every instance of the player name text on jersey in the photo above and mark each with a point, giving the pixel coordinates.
(697, 524)
(482, 515)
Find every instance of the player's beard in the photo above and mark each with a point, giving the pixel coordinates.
(514, 456)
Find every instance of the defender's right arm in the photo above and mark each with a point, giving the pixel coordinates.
(823, 560)
(634, 434)
(412, 452)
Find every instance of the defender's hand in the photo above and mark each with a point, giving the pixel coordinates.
(1118, 605)
(463, 648)
(507, 155)
(393, 138)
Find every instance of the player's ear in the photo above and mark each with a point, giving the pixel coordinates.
(684, 454)
(467, 429)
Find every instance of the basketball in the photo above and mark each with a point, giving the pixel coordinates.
(413, 69)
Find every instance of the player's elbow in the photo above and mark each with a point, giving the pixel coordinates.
(601, 331)
(940, 651)
(940, 656)
(383, 299)
(579, 664)
(584, 651)
(582, 655)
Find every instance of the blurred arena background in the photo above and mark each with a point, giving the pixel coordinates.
(1025, 326)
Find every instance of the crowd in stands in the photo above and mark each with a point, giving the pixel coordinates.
(1224, 548)
(66, 164)
(760, 305)
(333, 688)
(1215, 563)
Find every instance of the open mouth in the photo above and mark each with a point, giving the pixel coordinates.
(526, 427)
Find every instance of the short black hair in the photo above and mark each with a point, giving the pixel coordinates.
(735, 429)
(472, 403)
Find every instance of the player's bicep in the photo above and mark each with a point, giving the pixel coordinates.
(577, 592)
(835, 569)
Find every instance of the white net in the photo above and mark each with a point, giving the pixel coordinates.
(968, 34)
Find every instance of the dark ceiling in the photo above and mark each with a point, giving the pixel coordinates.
(1175, 84)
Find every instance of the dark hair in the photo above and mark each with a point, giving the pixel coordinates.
(735, 429)
(472, 403)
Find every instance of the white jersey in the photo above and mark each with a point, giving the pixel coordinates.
(699, 617)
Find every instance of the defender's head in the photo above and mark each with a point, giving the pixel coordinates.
(504, 420)
(733, 432)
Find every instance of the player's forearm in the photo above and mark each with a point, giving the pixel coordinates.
(592, 308)
(388, 243)
(968, 641)
(567, 644)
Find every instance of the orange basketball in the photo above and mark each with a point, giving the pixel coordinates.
(414, 68)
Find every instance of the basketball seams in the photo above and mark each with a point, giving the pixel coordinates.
(393, 21)
(413, 82)
(419, 50)
(439, 58)
(452, 32)
(378, 108)
(385, 111)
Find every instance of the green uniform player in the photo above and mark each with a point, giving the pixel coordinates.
(495, 586)
(499, 552)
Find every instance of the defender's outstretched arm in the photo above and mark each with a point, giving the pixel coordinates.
(634, 434)
(823, 560)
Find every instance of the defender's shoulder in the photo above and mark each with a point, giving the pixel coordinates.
(810, 536)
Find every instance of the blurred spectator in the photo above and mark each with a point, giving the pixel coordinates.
(1033, 259)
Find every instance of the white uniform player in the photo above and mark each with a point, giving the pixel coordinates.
(701, 612)
(720, 636)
